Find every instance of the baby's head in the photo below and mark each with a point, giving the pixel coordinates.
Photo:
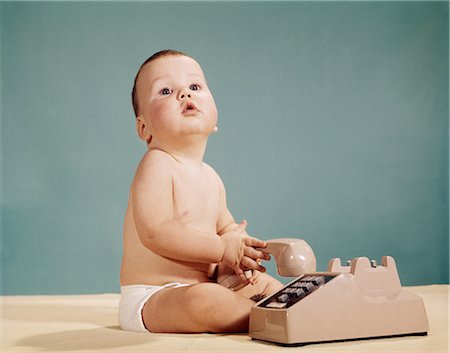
(160, 54)
(171, 99)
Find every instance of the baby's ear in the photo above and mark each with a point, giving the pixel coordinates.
(142, 129)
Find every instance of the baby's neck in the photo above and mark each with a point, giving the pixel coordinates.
(186, 153)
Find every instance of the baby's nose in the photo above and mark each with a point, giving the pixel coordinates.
(184, 94)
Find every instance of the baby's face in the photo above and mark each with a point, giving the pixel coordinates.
(174, 99)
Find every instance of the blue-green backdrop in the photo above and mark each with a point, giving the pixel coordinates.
(333, 128)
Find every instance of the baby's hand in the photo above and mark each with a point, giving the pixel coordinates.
(234, 247)
(252, 257)
(242, 256)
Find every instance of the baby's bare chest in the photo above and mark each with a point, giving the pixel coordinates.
(196, 198)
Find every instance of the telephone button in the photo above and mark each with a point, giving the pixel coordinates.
(318, 280)
(299, 292)
(283, 298)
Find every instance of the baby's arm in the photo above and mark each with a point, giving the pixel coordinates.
(226, 223)
(158, 229)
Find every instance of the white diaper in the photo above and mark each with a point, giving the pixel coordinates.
(132, 301)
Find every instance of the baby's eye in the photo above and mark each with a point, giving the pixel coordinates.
(165, 91)
(194, 87)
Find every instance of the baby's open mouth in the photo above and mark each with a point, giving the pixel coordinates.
(189, 108)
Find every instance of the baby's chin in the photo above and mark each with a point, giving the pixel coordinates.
(195, 131)
(199, 125)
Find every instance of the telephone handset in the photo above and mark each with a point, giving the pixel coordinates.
(293, 257)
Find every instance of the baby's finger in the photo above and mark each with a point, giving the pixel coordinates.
(242, 226)
(256, 254)
(254, 277)
(249, 263)
(241, 274)
(254, 242)
(249, 274)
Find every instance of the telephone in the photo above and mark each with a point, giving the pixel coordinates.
(356, 301)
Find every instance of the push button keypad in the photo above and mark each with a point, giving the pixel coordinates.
(296, 291)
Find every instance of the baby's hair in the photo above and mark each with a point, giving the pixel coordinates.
(160, 54)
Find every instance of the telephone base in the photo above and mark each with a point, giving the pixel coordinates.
(354, 302)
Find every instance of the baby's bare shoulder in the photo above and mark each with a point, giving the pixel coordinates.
(155, 162)
(213, 174)
(158, 156)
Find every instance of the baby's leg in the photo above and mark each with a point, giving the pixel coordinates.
(263, 286)
(203, 307)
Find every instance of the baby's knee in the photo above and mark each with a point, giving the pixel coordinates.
(207, 296)
(216, 308)
(270, 284)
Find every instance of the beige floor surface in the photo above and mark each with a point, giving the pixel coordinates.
(88, 323)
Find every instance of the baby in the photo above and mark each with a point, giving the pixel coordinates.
(178, 229)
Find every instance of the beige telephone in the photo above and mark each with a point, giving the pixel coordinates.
(360, 300)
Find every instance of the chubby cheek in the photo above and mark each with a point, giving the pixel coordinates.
(215, 118)
(158, 114)
(212, 110)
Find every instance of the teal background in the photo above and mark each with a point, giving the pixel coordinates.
(333, 128)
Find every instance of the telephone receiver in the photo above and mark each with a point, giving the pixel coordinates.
(293, 258)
